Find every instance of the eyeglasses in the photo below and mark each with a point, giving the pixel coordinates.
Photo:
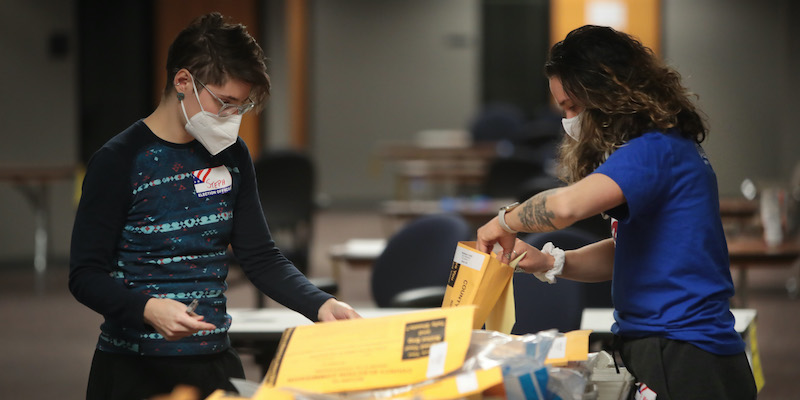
(229, 109)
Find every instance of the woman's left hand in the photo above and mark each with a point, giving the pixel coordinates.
(333, 310)
(534, 260)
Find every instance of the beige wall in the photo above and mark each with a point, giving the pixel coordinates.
(380, 72)
(39, 117)
(736, 54)
(378, 76)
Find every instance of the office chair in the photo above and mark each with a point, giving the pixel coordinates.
(541, 306)
(413, 269)
(497, 122)
(595, 225)
(286, 188)
(506, 177)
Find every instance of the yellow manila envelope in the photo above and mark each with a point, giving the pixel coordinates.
(572, 346)
(480, 279)
(223, 395)
(459, 386)
(502, 317)
(372, 353)
(267, 393)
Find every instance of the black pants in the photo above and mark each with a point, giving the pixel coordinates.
(681, 371)
(122, 376)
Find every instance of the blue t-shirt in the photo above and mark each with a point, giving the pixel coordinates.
(671, 269)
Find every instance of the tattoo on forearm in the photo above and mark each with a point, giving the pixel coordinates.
(534, 214)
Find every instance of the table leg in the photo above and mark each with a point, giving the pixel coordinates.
(337, 271)
(792, 282)
(40, 240)
(38, 198)
(742, 286)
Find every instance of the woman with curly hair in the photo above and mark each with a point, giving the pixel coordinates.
(632, 152)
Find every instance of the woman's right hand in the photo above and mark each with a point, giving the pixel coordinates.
(491, 233)
(170, 319)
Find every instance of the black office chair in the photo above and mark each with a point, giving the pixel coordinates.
(596, 295)
(506, 177)
(540, 305)
(286, 188)
(497, 122)
(414, 267)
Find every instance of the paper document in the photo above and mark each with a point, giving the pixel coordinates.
(372, 353)
(573, 346)
(480, 279)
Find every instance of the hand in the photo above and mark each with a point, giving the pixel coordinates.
(169, 318)
(492, 233)
(333, 310)
(534, 260)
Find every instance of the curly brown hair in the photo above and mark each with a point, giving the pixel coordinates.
(625, 91)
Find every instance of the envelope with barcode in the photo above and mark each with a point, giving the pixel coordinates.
(372, 353)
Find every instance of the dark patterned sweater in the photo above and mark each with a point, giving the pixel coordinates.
(155, 220)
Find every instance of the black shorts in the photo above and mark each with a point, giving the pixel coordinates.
(123, 376)
(681, 371)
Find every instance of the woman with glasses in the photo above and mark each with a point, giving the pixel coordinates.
(632, 151)
(161, 203)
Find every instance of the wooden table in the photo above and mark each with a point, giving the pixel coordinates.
(400, 151)
(355, 253)
(448, 167)
(747, 252)
(33, 181)
(477, 211)
(739, 215)
(736, 207)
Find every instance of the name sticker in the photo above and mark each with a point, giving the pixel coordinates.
(211, 181)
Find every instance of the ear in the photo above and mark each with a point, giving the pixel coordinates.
(183, 81)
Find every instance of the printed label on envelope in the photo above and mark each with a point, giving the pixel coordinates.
(420, 336)
(211, 181)
(462, 284)
(469, 257)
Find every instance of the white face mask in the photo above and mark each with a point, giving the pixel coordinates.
(573, 126)
(215, 133)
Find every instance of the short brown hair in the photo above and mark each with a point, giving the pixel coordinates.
(214, 51)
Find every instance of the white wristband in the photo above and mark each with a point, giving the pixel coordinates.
(501, 218)
(549, 276)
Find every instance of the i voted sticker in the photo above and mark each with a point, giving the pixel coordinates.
(211, 181)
